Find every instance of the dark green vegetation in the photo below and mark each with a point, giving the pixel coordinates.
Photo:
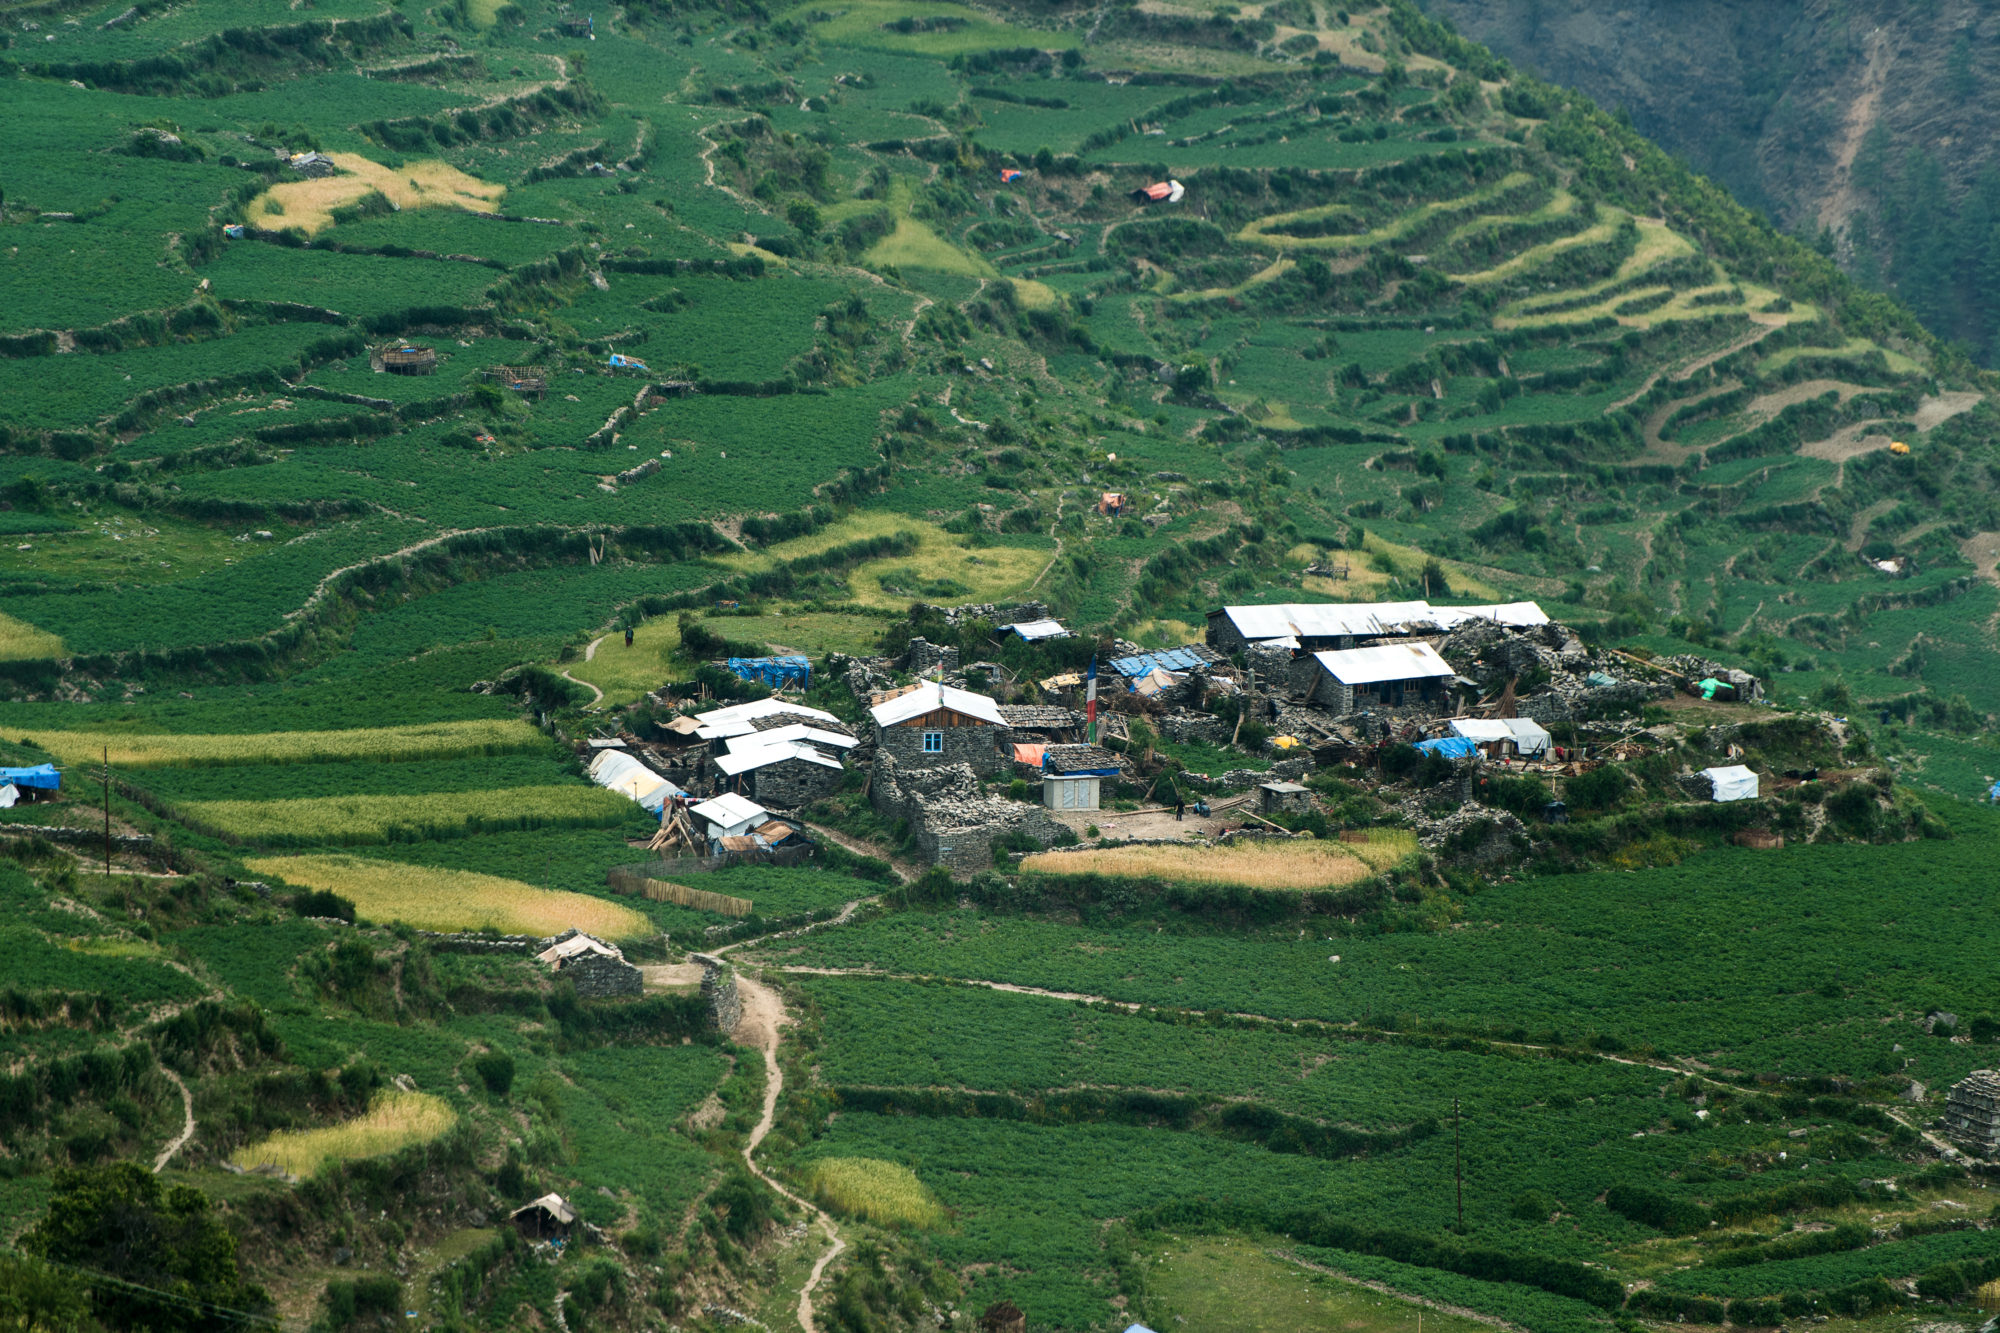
(1447, 327)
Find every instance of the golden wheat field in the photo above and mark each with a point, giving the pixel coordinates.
(436, 740)
(1296, 865)
(434, 899)
(883, 1192)
(20, 641)
(309, 204)
(394, 1120)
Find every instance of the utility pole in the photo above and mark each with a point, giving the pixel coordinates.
(107, 812)
(1458, 1165)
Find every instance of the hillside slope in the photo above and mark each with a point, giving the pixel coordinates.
(1870, 123)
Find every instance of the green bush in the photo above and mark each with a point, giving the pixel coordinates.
(496, 1071)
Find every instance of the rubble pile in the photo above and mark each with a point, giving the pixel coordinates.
(1499, 832)
(954, 820)
(1577, 680)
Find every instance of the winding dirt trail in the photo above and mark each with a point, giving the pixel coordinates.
(763, 1015)
(180, 1140)
(588, 653)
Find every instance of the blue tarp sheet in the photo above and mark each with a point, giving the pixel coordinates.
(1994, 795)
(41, 775)
(1172, 659)
(1451, 747)
(777, 672)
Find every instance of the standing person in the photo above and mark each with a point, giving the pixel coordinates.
(628, 636)
(1180, 805)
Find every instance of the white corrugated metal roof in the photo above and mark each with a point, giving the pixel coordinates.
(1519, 615)
(931, 696)
(797, 731)
(575, 945)
(735, 719)
(1035, 630)
(731, 811)
(1327, 619)
(761, 756)
(1394, 661)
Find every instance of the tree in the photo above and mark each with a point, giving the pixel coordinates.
(35, 1297)
(804, 217)
(166, 1262)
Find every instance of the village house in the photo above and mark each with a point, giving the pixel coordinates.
(1386, 676)
(787, 773)
(1041, 724)
(931, 725)
(728, 816)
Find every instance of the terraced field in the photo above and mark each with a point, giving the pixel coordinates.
(762, 326)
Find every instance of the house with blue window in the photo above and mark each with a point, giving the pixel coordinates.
(931, 725)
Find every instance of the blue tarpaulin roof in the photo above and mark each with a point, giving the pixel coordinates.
(1451, 747)
(41, 775)
(1171, 659)
(777, 672)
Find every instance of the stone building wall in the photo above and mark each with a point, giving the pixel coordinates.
(791, 783)
(597, 977)
(718, 988)
(925, 657)
(952, 821)
(977, 747)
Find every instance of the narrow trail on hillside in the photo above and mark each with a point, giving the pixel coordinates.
(763, 1015)
(903, 872)
(180, 1140)
(588, 653)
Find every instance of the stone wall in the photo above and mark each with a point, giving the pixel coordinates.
(926, 657)
(1182, 728)
(977, 747)
(791, 783)
(467, 941)
(597, 977)
(952, 821)
(718, 989)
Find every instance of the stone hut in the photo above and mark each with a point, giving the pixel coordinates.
(546, 1218)
(598, 970)
(1972, 1113)
(925, 657)
(781, 776)
(1387, 676)
(931, 725)
(954, 823)
(1283, 798)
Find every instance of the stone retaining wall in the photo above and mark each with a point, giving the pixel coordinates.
(718, 988)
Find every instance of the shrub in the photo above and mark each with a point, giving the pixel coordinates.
(1533, 1206)
(324, 903)
(496, 1071)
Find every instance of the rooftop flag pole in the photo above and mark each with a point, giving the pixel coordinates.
(1090, 698)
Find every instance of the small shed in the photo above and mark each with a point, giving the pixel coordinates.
(547, 1218)
(1283, 798)
(615, 770)
(528, 381)
(730, 815)
(1071, 791)
(598, 970)
(312, 165)
(1111, 504)
(410, 359)
(1734, 783)
(1160, 192)
(1003, 1317)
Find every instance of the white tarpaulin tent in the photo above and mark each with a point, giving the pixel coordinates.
(1530, 739)
(1525, 734)
(1735, 783)
(617, 771)
(9, 794)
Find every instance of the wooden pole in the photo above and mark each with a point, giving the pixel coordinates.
(107, 812)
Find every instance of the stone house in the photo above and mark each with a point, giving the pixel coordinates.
(1283, 798)
(931, 725)
(953, 822)
(1041, 724)
(597, 970)
(1386, 676)
(786, 774)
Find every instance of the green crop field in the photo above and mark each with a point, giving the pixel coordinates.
(775, 330)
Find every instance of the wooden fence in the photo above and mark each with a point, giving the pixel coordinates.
(625, 880)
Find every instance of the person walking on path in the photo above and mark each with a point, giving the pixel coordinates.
(628, 636)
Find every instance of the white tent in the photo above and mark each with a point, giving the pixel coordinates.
(9, 794)
(618, 771)
(1530, 737)
(1735, 783)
